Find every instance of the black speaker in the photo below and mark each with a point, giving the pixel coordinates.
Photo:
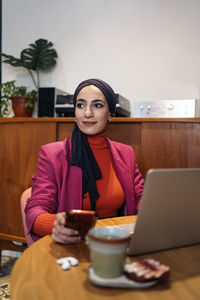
(47, 100)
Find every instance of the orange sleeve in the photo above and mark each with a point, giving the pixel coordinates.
(43, 224)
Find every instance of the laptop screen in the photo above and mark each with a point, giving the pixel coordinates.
(169, 211)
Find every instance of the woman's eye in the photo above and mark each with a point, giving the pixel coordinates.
(98, 105)
(79, 105)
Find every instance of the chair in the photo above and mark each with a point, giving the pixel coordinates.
(26, 194)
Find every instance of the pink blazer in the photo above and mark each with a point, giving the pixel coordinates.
(57, 185)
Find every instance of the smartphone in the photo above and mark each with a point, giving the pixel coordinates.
(81, 220)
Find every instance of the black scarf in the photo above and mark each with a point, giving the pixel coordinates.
(83, 157)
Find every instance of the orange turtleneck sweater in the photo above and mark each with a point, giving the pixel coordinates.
(111, 194)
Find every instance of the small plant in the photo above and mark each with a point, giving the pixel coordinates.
(6, 92)
(10, 90)
(40, 56)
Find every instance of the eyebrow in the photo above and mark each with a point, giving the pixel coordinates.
(95, 100)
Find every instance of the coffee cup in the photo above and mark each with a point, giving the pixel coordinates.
(108, 247)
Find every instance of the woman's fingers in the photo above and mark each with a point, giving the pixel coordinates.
(66, 239)
(60, 218)
(61, 230)
(63, 234)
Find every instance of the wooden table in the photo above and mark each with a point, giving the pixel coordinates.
(36, 274)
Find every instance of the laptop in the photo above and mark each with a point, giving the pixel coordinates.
(169, 214)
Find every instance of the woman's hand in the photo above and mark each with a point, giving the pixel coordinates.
(63, 234)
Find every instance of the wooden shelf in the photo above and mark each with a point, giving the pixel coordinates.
(114, 119)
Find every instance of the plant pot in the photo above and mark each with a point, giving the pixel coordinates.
(19, 109)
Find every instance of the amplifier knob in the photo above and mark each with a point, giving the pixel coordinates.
(170, 106)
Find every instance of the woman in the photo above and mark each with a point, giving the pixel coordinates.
(86, 171)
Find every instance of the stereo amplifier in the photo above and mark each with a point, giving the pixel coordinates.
(189, 108)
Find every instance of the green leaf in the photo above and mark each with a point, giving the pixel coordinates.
(13, 61)
(39, 56)
(29, 104)
(20, 91)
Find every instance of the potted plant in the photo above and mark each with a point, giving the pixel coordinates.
(40, 56)
(22, 100)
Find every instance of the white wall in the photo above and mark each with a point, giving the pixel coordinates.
(146, 49)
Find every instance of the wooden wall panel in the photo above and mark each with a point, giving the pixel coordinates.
(170, 145)
(127, 133)
(64, 130)
(19, 148)
(157, 144)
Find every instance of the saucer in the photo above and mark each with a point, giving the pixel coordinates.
(117, 282)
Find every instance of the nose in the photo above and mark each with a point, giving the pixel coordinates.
(88, 111)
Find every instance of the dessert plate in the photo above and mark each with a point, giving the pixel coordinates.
(118, 282)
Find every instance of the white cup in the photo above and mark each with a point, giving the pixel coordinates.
(108, 246)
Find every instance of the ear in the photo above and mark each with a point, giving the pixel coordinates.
(109, 118)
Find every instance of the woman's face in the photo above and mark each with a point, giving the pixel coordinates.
(91, 110)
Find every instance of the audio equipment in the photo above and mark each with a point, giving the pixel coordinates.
(188, 108)
(46, 101)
